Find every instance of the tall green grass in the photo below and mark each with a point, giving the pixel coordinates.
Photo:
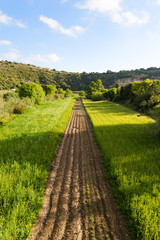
(27, 148)
(131, 154)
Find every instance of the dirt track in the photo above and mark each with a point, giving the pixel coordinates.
(78, 203)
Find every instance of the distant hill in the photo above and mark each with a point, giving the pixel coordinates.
(14, 74)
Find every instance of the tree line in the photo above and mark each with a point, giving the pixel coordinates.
(143, 95)
(13, 75)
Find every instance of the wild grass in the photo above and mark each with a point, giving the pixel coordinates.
(27, 148)
(1, 100)
(131, 154)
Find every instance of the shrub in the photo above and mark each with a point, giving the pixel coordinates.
(112, 93)
(68, 93)
(17, 106)
(50, 89)
(9, 95)
(32, 90)
(97, 96)
(105, 93)
(126, 93)
(82, 93)
(60, 93)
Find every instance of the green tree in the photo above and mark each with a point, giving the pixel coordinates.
(94, 87)
(68, 93)
(112, 93)
(50, 89)
(99, 86)
(82, 93)
(32, 90)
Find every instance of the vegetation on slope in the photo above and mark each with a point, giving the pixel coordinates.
(13, 75)
(27, 147)
(131, 153)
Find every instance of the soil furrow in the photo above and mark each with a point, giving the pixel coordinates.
(78, 202)
(74, 226)
(83, 183)
(96, 230)
(58, 184)
(62, 209)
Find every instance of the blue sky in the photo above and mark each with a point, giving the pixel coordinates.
(81, 35)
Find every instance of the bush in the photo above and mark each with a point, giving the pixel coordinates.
(17, 106)
(9, 95)
(112, 93)
(97, 96)
(60, 93)
(82, 93)
(68, 93)
(50, 89)
(105, 93)
(32, 90)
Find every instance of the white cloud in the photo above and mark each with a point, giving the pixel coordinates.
(4, 19)
(102, 6)
(114, 9)
(45, 59)
(158, 2)
(53, 24)
(20, 24)
(128, 18)
(5, 42)
(12, 55)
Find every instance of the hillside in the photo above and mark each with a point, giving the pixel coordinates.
(14, 74)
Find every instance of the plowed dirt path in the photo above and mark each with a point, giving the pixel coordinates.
(78, 203)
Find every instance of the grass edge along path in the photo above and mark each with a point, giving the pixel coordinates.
(27, 147)
(131, 155)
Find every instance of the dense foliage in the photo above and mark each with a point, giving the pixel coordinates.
(13, 75)
(95, 90)
(50, 89)
(32, 90)
(143, 95)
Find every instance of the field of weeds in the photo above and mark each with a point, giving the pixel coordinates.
(131, 155)
(27, 148)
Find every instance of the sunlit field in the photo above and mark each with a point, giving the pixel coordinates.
(131, 155)
(27, 148)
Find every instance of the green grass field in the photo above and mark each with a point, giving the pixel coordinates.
(131, 154)
(27, 148)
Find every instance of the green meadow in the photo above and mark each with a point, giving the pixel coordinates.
(27, 147)
(131, 154)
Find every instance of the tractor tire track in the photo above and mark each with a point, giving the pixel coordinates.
(78, 202)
